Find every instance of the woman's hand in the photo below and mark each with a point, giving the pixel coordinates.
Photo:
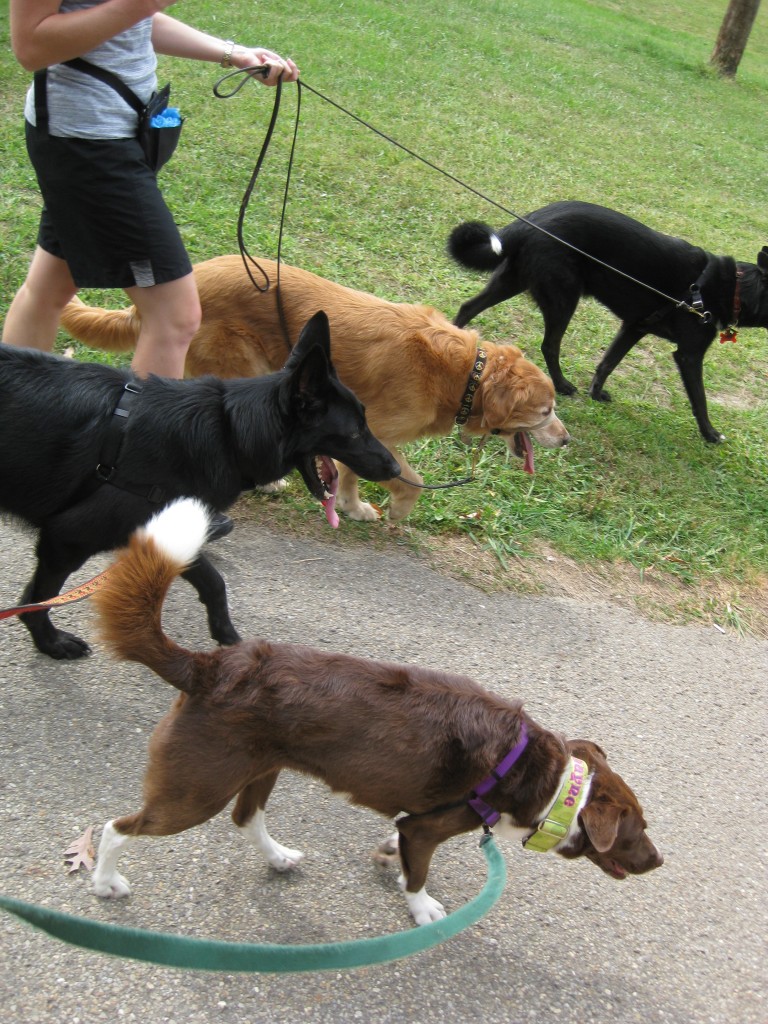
(247, 57)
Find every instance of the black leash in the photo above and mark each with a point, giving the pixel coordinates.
(680, 303)
(695, 307)
(437, 487)
(250, 263)
(248, 260)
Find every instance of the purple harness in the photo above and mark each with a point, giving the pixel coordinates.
(488, 814)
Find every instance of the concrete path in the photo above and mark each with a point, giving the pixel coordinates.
(681, 712)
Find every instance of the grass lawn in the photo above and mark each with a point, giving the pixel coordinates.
(527, 103)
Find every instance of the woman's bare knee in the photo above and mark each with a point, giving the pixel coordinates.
(170, 317)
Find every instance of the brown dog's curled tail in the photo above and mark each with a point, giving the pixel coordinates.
(113, 330)
(130, 604)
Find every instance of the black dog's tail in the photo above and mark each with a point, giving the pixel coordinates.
(130, 604)
(476, 245)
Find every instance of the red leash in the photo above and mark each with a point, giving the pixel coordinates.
(76, 594)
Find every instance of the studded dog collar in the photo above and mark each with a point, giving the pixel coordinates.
(473, 383)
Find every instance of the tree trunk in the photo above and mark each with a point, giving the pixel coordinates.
(733, 35)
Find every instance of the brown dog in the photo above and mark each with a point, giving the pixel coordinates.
(408, 364)
(248, 711)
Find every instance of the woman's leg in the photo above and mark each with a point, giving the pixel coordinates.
(33, 316)
(170, 316)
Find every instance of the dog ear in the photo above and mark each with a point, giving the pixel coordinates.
(511, 382)
(762, 260)
(496, 404)
(315, 333)
(309, 370)
(601, 821)
(583, 748)
(503, 392)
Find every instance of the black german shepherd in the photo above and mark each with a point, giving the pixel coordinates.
(205, 438)
(523, 258)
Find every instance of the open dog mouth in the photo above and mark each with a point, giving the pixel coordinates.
(613, 868)
(524, 450)
(607, 864)
(322, 480)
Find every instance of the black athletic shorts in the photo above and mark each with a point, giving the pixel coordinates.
(104, 213)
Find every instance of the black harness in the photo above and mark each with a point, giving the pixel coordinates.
(113, 442)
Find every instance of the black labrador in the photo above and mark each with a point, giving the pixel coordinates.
(527, 258)
(87, 454)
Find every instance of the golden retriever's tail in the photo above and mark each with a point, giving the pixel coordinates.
(115, 330)
(130, 603)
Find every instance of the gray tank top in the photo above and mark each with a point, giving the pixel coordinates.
(82, 107)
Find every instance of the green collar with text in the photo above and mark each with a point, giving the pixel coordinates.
(560, 816)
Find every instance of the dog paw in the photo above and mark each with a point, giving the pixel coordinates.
(111, 887)
(400, 507)
(599, 395)
(282, 859)
(274, 488)
(64, 647)
(424, 909)
(362, 512)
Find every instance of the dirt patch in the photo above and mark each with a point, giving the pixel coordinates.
(654, 594)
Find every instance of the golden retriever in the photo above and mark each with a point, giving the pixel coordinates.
(408, 364)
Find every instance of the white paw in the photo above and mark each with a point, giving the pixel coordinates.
(362, 511)
(111, 887)
(282, 859)
(423, 908)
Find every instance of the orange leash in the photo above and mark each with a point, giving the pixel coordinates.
(79, 593)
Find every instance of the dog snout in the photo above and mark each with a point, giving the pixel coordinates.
(647, 858)
(554, 435)
(389, 469)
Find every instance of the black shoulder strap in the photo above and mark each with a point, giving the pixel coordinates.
(41, 83)
(108, 78)
(41, 101)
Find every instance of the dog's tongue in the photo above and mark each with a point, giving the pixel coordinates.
(329, 503)
(525, 449)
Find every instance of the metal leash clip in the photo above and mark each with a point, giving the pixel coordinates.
(697, 304)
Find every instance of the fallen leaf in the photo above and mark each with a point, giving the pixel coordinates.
(81, 852)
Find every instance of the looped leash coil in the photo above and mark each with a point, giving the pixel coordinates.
(212, 955)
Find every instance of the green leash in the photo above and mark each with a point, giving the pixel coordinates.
(212, 955)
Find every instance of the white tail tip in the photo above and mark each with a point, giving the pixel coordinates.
(496, 245)
(180, 529)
